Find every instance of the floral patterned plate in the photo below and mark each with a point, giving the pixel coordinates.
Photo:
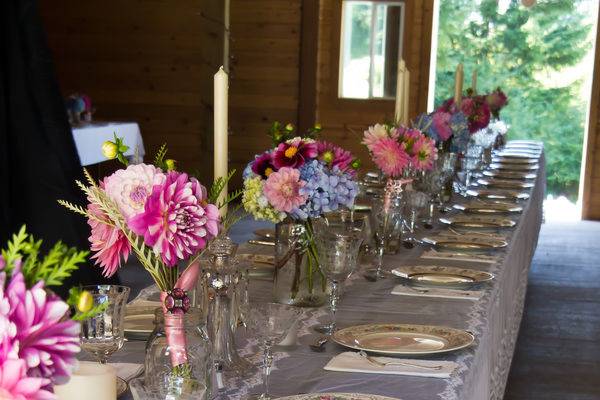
(514, 167)
(403, 339)
(514, 160)
(505, 183)
(436, 275)
(498, 194)
(488, 208)
(518, 175)
(336, 396)
(481, 222)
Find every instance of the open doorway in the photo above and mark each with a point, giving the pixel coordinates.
(542, 55)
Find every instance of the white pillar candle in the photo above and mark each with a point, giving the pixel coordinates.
(458, 84)
(406, 103)
(474, 82)
(221, 88)
(90, 381)
(398, 111)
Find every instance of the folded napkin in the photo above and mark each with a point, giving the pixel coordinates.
(127, 371)
(447, 255)
(443, 293)
(354, 362)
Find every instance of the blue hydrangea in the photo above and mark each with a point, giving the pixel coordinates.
(326, 189)
(424, 123)
(248, 173)
(460, 132)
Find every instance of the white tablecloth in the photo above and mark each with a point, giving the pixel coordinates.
(90, 136)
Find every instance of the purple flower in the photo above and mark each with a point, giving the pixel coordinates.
(294, 153)
(177, 221)
(263, 165)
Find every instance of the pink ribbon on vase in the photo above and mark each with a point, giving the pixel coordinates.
(393, 187)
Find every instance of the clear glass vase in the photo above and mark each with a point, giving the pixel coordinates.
(298, 280)
(164, 370)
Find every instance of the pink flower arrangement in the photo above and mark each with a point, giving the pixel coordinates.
(282, 189)
(399, 149)
(496, 101)
(474, 108)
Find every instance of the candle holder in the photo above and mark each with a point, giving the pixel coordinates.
(220, 276)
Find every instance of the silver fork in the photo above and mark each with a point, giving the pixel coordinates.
(381, 364)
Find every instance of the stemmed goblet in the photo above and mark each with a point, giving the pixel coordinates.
(270, 324)
(103, 334)
(338, 242)
(386, 225)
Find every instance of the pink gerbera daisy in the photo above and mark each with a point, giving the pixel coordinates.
(374, 134)
(282, 189)
(425, 153)
(390, 157)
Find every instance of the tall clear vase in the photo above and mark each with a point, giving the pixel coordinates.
(298, 279)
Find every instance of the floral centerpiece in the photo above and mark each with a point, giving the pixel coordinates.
(299, 179)
(164, 217)
(39, 336)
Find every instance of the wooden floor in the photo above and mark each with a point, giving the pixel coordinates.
(558, 350)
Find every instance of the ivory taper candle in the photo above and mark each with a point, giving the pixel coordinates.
(458, 84)
(221, 88)
(91, 381)
(474, 82)
(398, 111)
(406, 102)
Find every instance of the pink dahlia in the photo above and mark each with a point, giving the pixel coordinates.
(16, 385)
(390, 157)
(425, 153)
(130, 187)
(107, 242)
(177, 221)
(441, 124)
(376, 133)
(294, 153)
(45, 339)
(333, 155)
(282, 189)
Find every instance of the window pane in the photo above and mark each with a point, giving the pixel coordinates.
(356, 49)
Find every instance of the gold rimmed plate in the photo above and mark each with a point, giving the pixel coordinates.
(517, 175)
(498, 194)
(436, 275)
(489, 208)
(477, 222)
(403, 339)
(505, 183)
(514, 160)
(460, 243)
(514, 167)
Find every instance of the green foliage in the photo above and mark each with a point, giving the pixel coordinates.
(53, 269)
(233, 214)
(73, 301)
(280, 133)
(517, 50)
(159, 159)
(121, 149)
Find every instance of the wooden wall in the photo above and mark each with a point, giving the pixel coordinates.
(344, 120)
(590, 193)
(146, 61)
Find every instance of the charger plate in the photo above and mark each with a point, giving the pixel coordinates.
(441, 276)
(403, 339)
(335, 396)
(477, 222)
(505, 183)
(504, 174)
(514, 167)
(489, 208)
(498, 194)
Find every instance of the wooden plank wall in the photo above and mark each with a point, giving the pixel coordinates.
(344, 120)
(146, 61)
(590, 194)
(265, 69)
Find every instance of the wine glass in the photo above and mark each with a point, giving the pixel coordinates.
(338, 242)
(270, 324)
(386, 226)
(415, 202)
(103, 334)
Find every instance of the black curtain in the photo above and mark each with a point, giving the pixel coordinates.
(38, 159)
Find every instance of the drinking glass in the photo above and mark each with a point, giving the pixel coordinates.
(415, 202)
(468, 167)
(270, 324)
(338, 242)
(386, 225)
(103, 334)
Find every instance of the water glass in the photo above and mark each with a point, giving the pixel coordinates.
(103, 334)
(386, 226)
(270, 324)
(338, 242)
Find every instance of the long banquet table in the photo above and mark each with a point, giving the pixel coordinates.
(483, 368)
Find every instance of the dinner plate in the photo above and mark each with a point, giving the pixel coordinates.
(465, 243)
(488, 208)
(265, 233)
(514, 167)
(477, 222)
(436, 275)
(505, 183)
(403, 339)
(514, 160)
(519, 153)
(335, 396)
(498, 194)
(517, 175)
